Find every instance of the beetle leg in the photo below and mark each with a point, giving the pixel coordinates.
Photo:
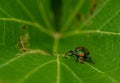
(67, 57)
(89, 59)
(86, 50)
(81, 59)
(77, 59)
(69, 53)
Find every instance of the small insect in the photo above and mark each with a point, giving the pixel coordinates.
(81, 54)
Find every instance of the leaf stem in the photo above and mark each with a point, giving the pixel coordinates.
(58, 70)
(55, 48)
(56, 37)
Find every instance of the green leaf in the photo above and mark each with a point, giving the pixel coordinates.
(33, 41)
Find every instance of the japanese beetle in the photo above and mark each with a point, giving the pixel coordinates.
(81, 53)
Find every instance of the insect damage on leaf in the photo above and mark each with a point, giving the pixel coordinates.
(93, 7)
(23, 41)
(23, 44)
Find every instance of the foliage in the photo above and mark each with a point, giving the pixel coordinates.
(35, 34)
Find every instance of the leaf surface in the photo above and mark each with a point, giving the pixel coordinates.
(31, 51)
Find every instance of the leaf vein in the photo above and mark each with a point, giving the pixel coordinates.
(109, 19)
(89, 31)
(70, 18)
(20, 56)
(26, 10)
(34, 70)
(5, 12)
(42, 11)
(35, 24)
(4, 33)
(40, 27)
(11, 60)
(73, 73)
(99, 71)
(97, 12)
